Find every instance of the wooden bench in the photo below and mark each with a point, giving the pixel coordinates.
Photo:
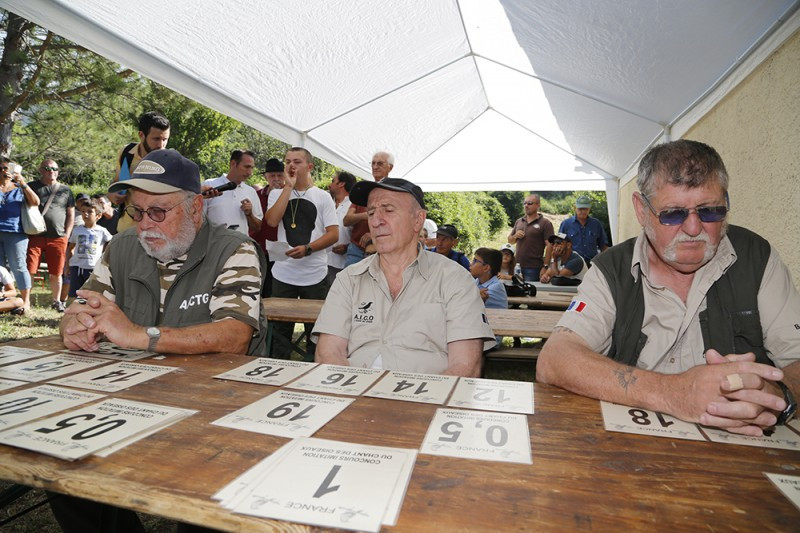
(514, 354)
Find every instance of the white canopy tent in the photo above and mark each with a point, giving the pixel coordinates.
(468, 94)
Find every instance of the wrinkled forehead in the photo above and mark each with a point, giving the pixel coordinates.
(383, 197)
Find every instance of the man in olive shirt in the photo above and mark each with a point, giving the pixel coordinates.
(403, 308)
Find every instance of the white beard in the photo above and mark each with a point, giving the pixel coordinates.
(171, 249)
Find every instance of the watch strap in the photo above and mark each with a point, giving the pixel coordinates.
(791, 404)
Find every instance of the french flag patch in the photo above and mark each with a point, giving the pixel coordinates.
(576, 306)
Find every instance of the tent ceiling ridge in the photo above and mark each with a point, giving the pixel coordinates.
(573, 90)
(600, 169)
(418, 163)
(390, 91)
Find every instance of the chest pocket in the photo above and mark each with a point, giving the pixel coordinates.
(747, 328)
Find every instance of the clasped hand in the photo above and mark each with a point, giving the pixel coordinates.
(735, 393)
(85, 323)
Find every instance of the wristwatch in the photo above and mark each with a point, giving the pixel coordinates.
(154, 334)
(791, 404)
(309, 250)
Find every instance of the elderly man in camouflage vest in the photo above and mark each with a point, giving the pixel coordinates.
(174, 283)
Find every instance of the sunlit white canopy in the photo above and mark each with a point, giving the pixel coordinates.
(468, 94)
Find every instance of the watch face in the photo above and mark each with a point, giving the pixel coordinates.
(153, 332)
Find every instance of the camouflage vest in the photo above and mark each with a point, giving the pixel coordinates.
(137, 283)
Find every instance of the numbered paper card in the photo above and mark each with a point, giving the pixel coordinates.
(781, 437)
(493, 395)
(109, 350)
(266, 371)
(626, 419)
(477, 435)
(337, 379)
(788, 485)
(409, 387)
(6, 384)
(22, 406)
(76, 434)
(115, 377)
(331, 484)
(14, 354)
(49, 367)
(286, 414)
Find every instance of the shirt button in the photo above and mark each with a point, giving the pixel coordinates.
(672, 360)
(384, 341)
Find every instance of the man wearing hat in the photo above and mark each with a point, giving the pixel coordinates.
(273, 173)
(566, 267)
(173, 283)
(446, 239)
(586, 233)
(239, 208)
(403, 308)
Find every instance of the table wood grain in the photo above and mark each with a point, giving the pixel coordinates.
(582, 477)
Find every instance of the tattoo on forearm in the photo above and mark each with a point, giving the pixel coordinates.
(625, 377)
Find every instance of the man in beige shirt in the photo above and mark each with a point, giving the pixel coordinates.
(402, 308)
(693, 318)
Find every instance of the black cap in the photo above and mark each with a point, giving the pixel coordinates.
(361, 190)
(82, 196)
(560, 236)
(273, 165)
(161, 172)
(448, 230)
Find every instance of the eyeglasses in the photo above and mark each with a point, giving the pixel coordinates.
(476, 260)
(52, 169)
(156, 214)
(677, 216)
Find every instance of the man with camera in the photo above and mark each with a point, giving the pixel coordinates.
(232, 202)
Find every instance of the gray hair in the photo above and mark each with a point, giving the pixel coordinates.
(389, 156)
(684, 163)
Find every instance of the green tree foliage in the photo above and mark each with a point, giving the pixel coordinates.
(196, 131)
(511, 202)
(39, 68)
(477, 215)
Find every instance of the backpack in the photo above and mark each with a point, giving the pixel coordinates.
(519, 287)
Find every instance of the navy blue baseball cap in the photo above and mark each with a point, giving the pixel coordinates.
(161, 172)
(361, 190)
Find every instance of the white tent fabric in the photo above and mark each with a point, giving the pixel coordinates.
(468, 94)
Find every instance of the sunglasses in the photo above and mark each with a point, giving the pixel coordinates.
(3, 169)
(52, 169)
(156, 214)
(678, 215)
(529, 203)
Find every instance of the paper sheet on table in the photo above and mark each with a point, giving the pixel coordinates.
(277, 250)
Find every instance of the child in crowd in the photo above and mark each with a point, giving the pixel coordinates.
(484, 268)
(9, 301)
(86, 245)
(509, 264)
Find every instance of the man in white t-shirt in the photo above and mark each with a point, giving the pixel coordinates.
(9, 301)
(340, 190)
(238, 209)
(305, 216)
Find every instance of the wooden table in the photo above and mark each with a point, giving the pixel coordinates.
(505, 322)
(555, 301)
(582, 477)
